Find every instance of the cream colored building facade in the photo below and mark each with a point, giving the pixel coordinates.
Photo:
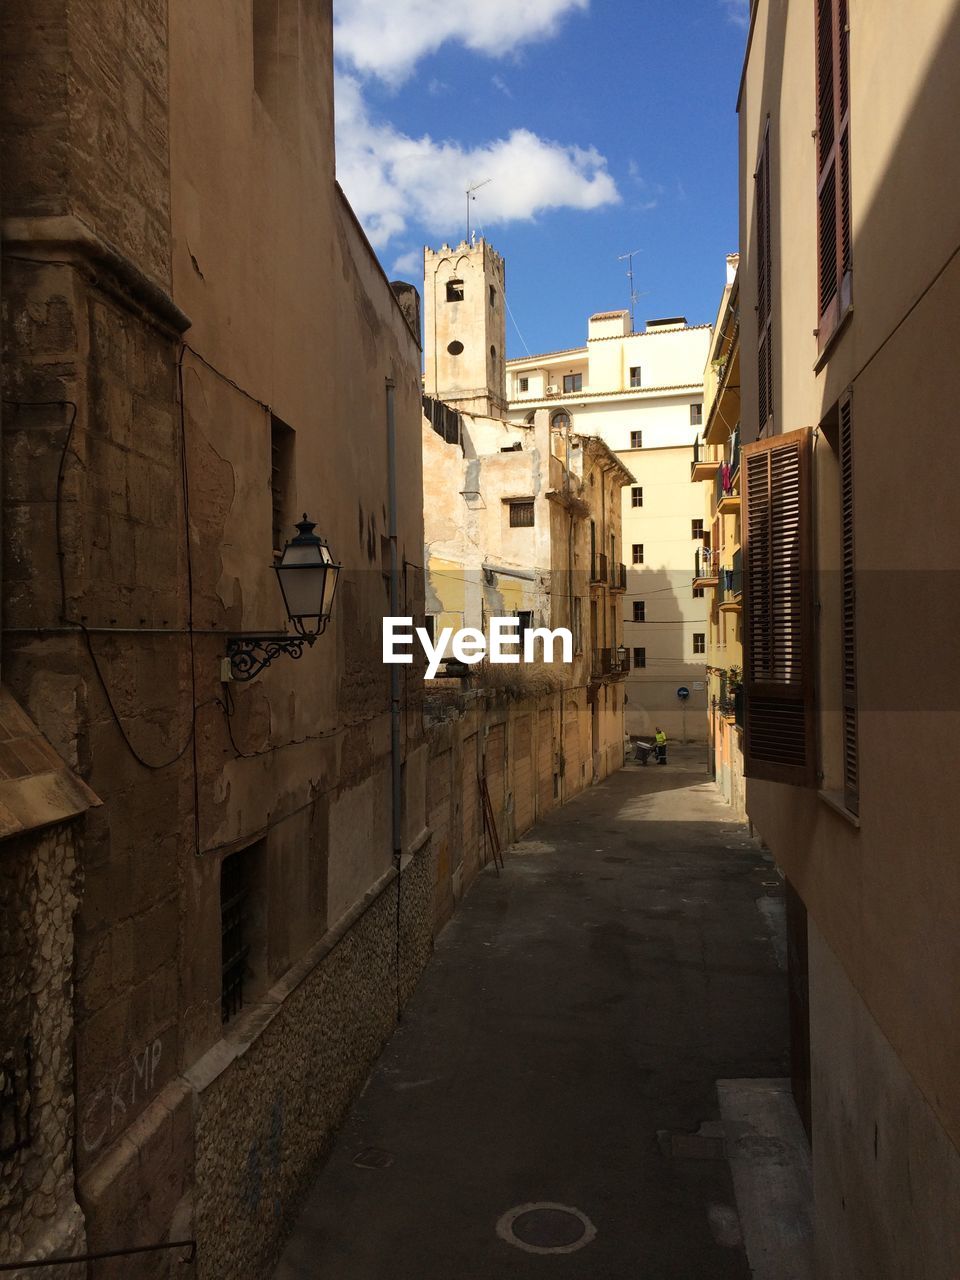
(850, 327)
(719, 572)
(642, 393)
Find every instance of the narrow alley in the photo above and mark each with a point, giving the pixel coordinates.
(563, 1050)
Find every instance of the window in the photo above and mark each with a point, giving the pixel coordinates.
(430, 625)
(639, 610)
(276, 58)
(525, 617)
(572, 382)
(635, 375)
(493, 296)
(493, 353)
(636, 439)
(638, 553)
(454, 290)
(699, 642)
(764, 289)
(696, 528)
(636, 496)
(834, 238)
(696, 415)
(523, 384)
(778, 610)
(455, 348)
(236, 874)
(639, 657)
(560, 421)
(698, 593)
(282, 440)
(521, 514)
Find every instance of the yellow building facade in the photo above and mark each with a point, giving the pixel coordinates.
(641, 393)
(718, 567)
(850, 325)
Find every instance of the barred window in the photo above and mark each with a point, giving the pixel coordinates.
(521, 515)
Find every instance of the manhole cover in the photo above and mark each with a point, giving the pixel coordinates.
(546, 1228)
(373, 1158)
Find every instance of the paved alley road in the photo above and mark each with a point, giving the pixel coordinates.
(577, 1013)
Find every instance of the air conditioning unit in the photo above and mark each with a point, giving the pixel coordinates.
(553, 391)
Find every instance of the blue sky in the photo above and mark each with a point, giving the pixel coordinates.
(606, 126)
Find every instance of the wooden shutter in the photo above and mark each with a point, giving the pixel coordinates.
(778, 610)
(834, 239)
(764, 289)
(851, 771)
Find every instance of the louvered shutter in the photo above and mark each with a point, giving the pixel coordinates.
(764, 289)
(834, 238)
(851, 770)
(778, 610)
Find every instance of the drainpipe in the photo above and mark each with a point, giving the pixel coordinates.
(394, 612)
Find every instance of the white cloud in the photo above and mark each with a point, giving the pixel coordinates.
(498, 82)
(387, 40)
(409, 266)
(394, 180)
(738, 12)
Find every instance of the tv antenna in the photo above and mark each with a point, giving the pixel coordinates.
(628, 258)
(471, 196)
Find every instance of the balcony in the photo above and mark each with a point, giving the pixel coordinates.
(702, 467)
(730, 584)
(607, 663)
(728, 483)
(618, 576)
(598, 569)
(730, 702)
(705, 567)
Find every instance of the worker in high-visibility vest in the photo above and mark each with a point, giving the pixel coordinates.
(661, 740)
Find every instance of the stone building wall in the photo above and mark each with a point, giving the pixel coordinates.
(39, 1215)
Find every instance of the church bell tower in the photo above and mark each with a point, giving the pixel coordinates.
(465, 328)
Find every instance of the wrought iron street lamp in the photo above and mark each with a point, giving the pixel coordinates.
(308, 577)
(622, 657)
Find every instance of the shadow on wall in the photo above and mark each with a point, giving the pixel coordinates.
(666, 637)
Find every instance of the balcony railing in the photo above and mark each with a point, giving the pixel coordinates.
(606, 662)
(730, 581)
(730, 701)
(705, 564)
(618, 576)
(702, 467)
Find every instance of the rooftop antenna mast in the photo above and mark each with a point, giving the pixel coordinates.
(471, 196)
(628, 258)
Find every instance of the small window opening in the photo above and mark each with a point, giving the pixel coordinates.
(635, 375)
(454, 290)
(636, 496)
(282, 441)
(636, 439)
(521, 515)
(455, 348)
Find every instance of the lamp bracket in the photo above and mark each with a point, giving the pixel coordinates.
(249, 655)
